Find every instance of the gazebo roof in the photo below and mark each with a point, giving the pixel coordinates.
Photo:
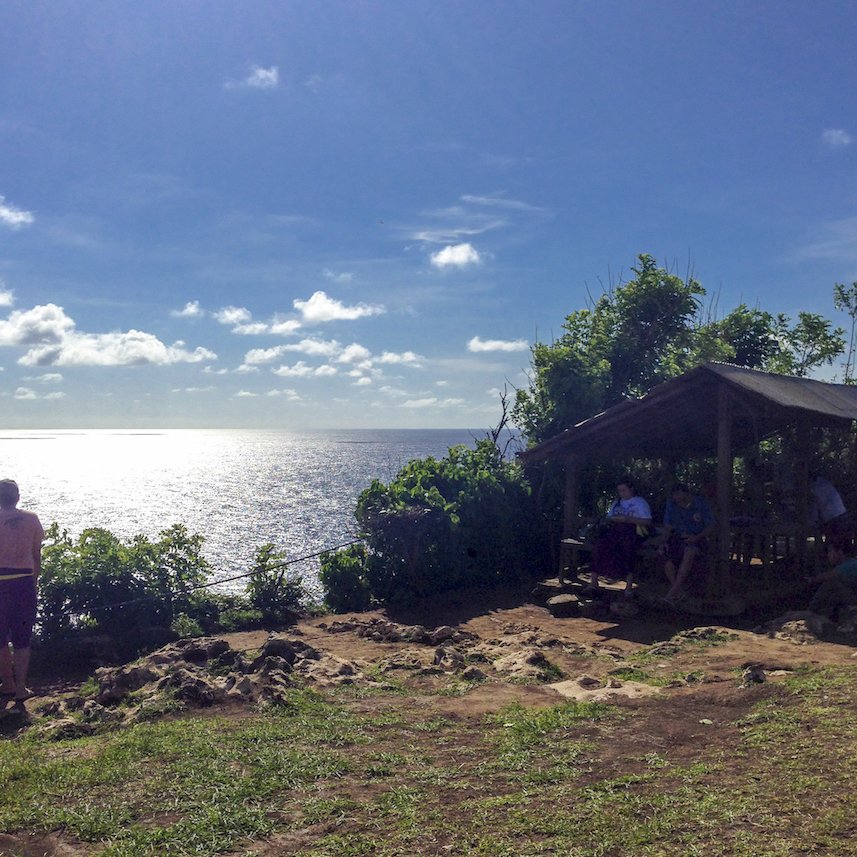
(680, 415)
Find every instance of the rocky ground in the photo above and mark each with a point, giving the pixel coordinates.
(489, 656)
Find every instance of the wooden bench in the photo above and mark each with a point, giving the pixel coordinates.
(571, 549)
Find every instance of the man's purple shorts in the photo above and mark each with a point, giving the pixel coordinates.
(17, 611)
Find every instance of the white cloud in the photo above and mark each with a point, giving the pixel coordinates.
(244, 394)
(13, 217)
(406, 357)
(233, 315)
(191, 309)
(315, 347)
(363, 382)
(47, 378)
(291, 395)
(476, 344)
(836, 138)
(355, 353)
(39, 325)
(326, 371)
(25, 393)
(52, 340)
(257, 78)
(321, 308)
(314, 82)
(134, 348)
(49, 396)
(191, 390)
(7, 296)
(208, 370)
(263, 355)
(502, 202)
(391, 391)
(299, 370)
(448, 234)
(284, 328)
(255, 328)
(456, 256)
(432, 401)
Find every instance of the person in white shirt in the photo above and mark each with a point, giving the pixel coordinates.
(624, 528)
(827, 512)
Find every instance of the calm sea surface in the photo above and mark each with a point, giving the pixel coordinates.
(239, 489)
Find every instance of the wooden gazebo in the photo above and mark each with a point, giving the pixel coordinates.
(714, 410)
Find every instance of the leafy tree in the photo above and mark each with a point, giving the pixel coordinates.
(745, 337)
(628, 341)
(807, 345)
(845, 300)
(650, 329)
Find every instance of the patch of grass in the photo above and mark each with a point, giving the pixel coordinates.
(571, 779)
(89, 688)
(383, 764)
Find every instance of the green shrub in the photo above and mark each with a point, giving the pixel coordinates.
(460, 521)
(273, 588)
(184, 626)
(100, 584)
(343, 576)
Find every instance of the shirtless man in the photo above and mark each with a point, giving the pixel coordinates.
(21, 535)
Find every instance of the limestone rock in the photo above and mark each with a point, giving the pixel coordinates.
(473, 674)
(563, 606)
(66, 729)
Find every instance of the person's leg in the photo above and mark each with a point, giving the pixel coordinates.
(629, 585)
(21, 632)
(687, 559)
(6, 673)
(21, 663)
(830, 596)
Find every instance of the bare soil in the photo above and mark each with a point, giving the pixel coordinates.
(696, 683)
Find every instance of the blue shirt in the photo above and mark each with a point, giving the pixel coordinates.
(847, 570)
(692, 520)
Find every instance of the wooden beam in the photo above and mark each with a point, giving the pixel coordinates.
(801, 477)
(570, 517)
(724, 492)
(571, 500)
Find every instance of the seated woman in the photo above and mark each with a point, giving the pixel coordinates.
(623, 530)
(688, 522)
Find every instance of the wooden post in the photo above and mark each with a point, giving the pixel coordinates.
(570, 522)
(724, 493)
(801, 482)
(571, 500)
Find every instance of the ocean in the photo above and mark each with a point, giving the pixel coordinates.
(238, 488)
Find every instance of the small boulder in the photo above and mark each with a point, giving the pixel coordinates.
(563, 606)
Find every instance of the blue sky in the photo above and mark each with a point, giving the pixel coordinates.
(324, 214)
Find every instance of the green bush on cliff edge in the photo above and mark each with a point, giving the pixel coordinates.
(457, 522)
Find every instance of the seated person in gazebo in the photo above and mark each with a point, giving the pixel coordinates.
(688, 522)
(827, 512)
(619, 536)
(838, 584)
